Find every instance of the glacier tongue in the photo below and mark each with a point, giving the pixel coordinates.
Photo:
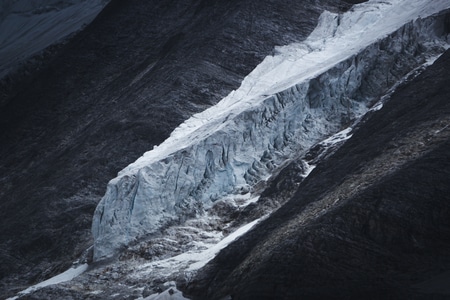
(292, 100)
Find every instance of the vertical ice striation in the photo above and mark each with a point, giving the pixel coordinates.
(292, 100)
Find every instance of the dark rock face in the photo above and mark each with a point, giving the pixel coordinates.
(110, 94)
(370, 222)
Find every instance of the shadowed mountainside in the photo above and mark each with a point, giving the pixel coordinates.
(371, 222)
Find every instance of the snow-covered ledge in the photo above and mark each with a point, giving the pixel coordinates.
(63, 277)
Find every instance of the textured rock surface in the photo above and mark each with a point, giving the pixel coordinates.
(371, 222)
(28, 27)
(106, 96)
(238, 149)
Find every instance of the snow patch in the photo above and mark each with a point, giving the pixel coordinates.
(63, 277)
(169, 294)
(338, 137)
(194, 259)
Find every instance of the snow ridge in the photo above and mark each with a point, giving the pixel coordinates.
(63, 277)
(292, 100)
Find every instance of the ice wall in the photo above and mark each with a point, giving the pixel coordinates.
(291, 101)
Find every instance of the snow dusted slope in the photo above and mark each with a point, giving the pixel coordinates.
(292, 100)
(28, 27)
(63, 277)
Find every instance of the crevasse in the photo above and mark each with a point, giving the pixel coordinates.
(292, 100)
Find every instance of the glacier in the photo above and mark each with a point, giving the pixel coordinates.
(294, 99)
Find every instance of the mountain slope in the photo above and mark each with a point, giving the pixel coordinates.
(358, 226)
(372, 221)
(109, 94)
(28, 27)
(355, 226)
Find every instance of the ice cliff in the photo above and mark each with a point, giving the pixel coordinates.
(302, 94)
